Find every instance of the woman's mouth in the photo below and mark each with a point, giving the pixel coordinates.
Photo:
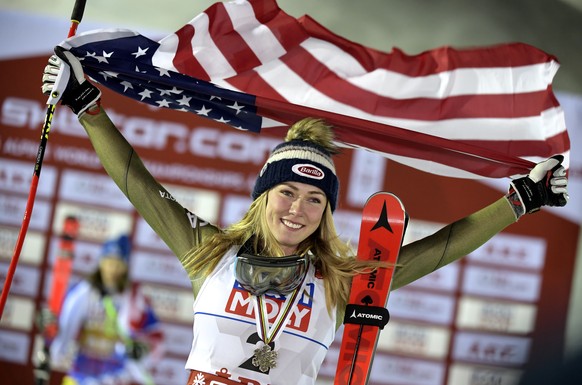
(291, 225)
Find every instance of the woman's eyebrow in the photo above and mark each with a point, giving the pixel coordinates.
(295, 188)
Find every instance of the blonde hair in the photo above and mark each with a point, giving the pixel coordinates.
(332, 257)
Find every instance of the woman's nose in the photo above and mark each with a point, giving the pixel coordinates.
(295, 207)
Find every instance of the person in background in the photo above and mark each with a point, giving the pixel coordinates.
(270, 290)
(107, 331)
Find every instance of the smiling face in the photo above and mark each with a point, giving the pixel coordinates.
(294, 211)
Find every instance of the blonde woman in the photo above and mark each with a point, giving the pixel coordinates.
(270, 290)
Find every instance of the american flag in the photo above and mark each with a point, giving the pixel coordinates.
(468, 113)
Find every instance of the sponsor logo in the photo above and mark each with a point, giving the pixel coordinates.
(308, 171)
(155, 134)
(366, 315)
(195, 221)
(241, 304)
(374, 273)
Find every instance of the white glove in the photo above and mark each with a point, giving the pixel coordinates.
(546, 185)
(64, 80)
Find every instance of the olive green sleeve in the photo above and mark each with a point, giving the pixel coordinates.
(452, 242)
(176, 226)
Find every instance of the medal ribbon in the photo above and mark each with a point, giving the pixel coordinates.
(262, 318)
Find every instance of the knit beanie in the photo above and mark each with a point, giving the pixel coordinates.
(299, 161)
(117, 248)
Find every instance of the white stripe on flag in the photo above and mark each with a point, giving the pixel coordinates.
(258, 36)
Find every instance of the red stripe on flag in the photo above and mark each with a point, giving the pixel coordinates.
(435, 60)
(251, 80)
(234, 48)
(546, 148)
(184, 60)
(415, 145)
(284, 27)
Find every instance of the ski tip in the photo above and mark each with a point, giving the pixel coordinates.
(386, 194)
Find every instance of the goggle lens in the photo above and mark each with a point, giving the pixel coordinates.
(259, 275)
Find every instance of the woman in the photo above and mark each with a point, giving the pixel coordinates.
(107, 333)
(271, 289)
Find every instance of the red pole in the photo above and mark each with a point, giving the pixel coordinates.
(76, 17)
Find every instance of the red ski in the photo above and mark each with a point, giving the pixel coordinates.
(382, 230)
(62, 271)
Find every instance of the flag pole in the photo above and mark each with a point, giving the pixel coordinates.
(76, 16)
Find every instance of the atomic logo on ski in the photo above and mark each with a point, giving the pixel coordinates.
(383, 220)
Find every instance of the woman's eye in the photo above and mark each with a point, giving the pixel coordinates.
(287, 193)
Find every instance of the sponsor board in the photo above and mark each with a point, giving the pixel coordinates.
(170, 304)
(445, 279)
(95, 224)
(12, 209)
(158, 268)
(422, 306)
(25, 281)
(177, 339)
(85, 258)
(91, 189)
(16, 177)
(19, 314)
(518, 251)
(32, 252)
(170, 371)
(144, 236)
(482, 375)
(234, 207)
(204, 203)
(425, 341)
(491, 349)
(367, 173)
(501, 283)
(507, 317)
(348, 224)
(389, 369)
(14, 346)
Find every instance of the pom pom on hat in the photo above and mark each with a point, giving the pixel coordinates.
(117, 248)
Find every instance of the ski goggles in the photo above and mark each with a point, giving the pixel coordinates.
(272, 275)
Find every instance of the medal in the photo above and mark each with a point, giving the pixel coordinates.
(265, 358)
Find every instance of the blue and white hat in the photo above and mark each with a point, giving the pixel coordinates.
(299, 161)
(117, 248)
